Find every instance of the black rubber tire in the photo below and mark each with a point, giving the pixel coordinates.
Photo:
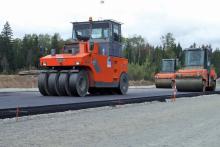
(123, 84)
(79, 83)
(63, 84)
(53, 84)
(42, 84)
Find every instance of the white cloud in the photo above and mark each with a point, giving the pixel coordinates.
(189, 20)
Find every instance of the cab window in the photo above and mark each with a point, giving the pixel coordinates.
(96, 33)
(105, 33)
(116, 32)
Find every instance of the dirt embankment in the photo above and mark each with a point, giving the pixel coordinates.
(17, 81)
(141, 83)
(30, 81)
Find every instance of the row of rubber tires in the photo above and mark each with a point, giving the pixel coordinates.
(63, 83)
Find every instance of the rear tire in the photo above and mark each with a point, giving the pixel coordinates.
(53, 84)
(79, 83)
(42, 84)
(123, 84)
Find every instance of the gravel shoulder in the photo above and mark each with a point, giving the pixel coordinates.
(188, 122)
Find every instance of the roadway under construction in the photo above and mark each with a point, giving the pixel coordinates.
(32, 103)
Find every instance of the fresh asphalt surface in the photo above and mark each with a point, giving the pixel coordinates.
(27, 99)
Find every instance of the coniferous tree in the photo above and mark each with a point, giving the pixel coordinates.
(57, 43)
(169, 45)
(7, 58)
(216, 60)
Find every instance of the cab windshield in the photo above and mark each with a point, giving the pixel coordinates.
(168, 66)
(97, 31)
(194, 58)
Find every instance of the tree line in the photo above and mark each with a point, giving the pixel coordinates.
(144, 59)
(22, 54)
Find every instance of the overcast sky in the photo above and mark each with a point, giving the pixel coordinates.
(189, 20)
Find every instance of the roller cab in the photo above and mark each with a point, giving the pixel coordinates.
(197, 73)
(91, 62)
(166, 77)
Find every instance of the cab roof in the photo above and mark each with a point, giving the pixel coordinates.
(169, 59)
(191, 49)
(99, 21)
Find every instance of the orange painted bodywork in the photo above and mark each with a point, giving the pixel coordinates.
(109, 71)
(161, 75)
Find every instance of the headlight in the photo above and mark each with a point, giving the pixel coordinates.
(77, 63)
(44, 64)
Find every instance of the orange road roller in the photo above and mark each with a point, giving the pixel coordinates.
(92, 62)
(166, 77)
(197, 73)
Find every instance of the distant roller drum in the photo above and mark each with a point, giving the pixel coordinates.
(194, 85)
(163, 83)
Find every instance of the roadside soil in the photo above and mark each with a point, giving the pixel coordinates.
(17, 81)
(30, 81)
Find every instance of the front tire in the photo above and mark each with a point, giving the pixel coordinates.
(79, 83)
